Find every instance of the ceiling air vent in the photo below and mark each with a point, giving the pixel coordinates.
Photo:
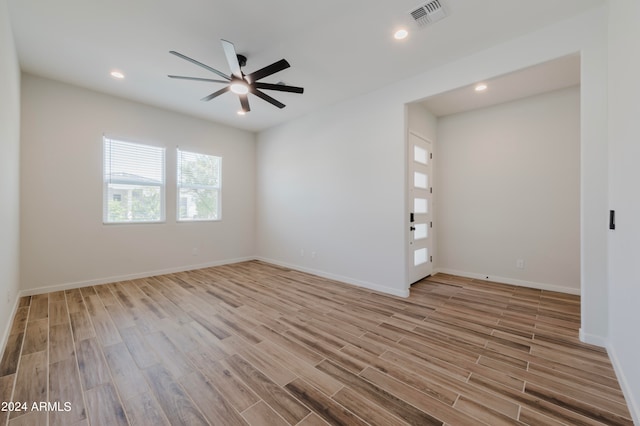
(428, 13)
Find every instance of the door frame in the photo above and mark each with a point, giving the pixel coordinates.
(411, 276)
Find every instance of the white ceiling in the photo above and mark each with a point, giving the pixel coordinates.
(337, 49)
(553, 75)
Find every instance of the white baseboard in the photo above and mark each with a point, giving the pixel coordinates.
(7, 329)
(512, 281)
(346, 280)
(593, 339)
(117, 278)
(629, 396)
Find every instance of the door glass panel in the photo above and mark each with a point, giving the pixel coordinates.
(420, 180)
(420, 256)
(420, 205)
(419, 155)
(420, 231)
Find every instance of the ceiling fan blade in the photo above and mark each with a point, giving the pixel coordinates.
(232, 58)
(200, 64)
(279, 87)
(215, 94)
(267, 98)
(268, 70)
(244, 103)
(197, 79)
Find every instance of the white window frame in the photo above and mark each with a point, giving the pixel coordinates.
(129, 179)
(180, 185)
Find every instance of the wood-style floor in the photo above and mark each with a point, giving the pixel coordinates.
(256, 344)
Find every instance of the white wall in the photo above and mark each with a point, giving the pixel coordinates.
(421, 121)
(594, 178)
(509, 188)
(349, 158)
(64, 242)
(328, 184)
(9, 173)
(624, 154)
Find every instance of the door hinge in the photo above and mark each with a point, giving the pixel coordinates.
(431, 156)
(431, 190)
(430, 224)
(431, 259)
(411, 218)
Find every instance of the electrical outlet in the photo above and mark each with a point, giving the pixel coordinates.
(313, 254)
(520, 263)
(301, 252)
(194, 251)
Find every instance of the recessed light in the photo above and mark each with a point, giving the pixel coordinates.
(481, 87)
(117, 74)
(401, 34)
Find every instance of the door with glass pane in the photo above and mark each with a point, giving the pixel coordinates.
(419, 217)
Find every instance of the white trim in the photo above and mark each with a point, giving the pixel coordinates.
(5, 335)
(118, 278)
(420, 136)
(627, 391)
(341, 278)
(512, 281)
(592, 339)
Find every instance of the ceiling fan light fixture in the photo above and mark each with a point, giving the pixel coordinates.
(239, 88)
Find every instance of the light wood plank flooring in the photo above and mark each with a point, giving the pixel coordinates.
(256, 344)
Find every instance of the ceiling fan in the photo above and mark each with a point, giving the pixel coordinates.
(240, 83)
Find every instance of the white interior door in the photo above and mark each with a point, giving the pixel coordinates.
(419, 209)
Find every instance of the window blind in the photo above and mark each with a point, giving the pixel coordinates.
(134, 182)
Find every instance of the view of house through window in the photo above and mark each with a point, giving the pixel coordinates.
(134, 182)
(198, 178)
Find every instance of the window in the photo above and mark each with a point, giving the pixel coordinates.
(133, 182)
(198, 177)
